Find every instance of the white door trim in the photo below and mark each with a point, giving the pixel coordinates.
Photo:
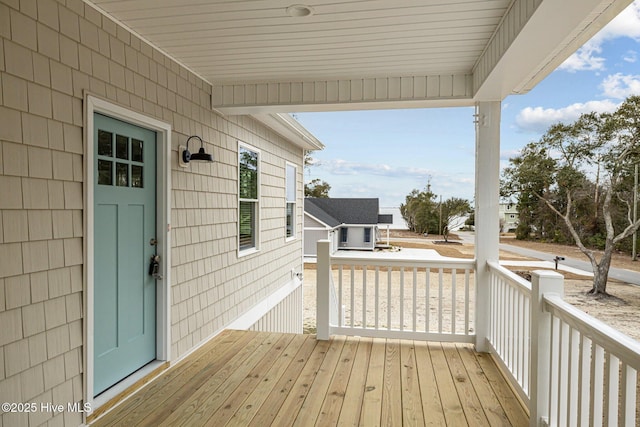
(94, 104)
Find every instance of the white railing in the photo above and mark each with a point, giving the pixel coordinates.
(594, 369)
(392, 297)
(509, 325)
(570, 368)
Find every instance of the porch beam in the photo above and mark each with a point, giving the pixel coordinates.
(486, 210)
(533, 39)
(344, 94)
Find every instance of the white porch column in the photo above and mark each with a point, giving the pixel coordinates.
(323, 293)
(487, 223)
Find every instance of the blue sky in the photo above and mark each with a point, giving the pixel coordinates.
(388, 153)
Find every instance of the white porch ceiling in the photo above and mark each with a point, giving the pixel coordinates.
(364, 53)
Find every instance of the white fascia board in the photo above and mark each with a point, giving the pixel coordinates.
(555, 30)
(291, 129)
(327, 226)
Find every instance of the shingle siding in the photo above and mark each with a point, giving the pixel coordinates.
(51, 53)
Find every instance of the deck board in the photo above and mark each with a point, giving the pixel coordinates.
(245, 378)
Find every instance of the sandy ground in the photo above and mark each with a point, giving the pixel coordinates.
(622, 312)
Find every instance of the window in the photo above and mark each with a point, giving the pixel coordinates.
(343, 235)
(291, 201)
(248, 192)
(367, 235)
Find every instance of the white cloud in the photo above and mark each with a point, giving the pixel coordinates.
(631, 56)
(585, 59)
(538, 119)
(626, 24)
(620, 86)
(345, 167)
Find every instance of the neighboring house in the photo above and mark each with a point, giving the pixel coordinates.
(508, 217)
(349, 223)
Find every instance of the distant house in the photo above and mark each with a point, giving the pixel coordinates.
(508, 217)
(347, 223)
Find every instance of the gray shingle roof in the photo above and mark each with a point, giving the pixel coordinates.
(334, 212)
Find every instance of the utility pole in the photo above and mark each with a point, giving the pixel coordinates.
(635, 212)
(440, 220)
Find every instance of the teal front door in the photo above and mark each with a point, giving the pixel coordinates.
(124, 305)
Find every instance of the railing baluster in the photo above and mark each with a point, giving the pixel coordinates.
(389, 300)
(563, 373)
(584, 380)
(454, 284)
(597, 385)
(611, 383)
(352, 309)
(572, 373)
(377, 291)
(510, 326)
(554, 385)
(466, 301)
(427, 279)
(415, 298)
(628, 404)
(364, 297)
(526, 360)
(440, 313)
(340, 303)
(402, 298)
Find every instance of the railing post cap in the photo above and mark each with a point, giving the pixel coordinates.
(546, 274)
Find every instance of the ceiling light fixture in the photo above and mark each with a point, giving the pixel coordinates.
(299, 11)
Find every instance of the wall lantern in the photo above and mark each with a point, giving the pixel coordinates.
(201, 155)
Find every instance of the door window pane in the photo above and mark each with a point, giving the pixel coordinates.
(122, 174)
(122, 147)
(105, 172)
(136, 176)
(105, 146)
(136, 150)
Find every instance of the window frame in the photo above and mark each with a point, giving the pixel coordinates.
(287, 201)
(344, 235)
(367, 230)
(247, 250)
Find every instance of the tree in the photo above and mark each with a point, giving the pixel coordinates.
(423, 214)
(555, 171)
(420, 210)
(317, 188)
(452, 209)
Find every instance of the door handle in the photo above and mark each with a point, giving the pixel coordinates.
(154, 267)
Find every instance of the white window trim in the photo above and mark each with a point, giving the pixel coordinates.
(256, 248)
(287, 201)
(94, 104)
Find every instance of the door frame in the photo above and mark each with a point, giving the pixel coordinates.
(94, 104)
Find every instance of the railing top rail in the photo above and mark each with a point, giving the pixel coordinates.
(383, 261)
(523, 284)
(622, 346)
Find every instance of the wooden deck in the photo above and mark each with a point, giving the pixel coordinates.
(244, 378)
